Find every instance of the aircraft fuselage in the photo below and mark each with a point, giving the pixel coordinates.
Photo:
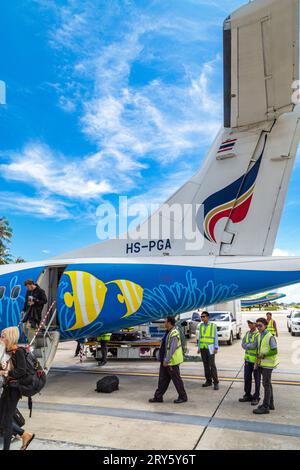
(104, 295)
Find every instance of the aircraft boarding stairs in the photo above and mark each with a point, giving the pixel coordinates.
(46, 340)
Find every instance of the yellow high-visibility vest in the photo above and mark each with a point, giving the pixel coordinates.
(104, 337)
(177, 357)
(271, 328)
(206, 337)
(264, 348)
(251, 354)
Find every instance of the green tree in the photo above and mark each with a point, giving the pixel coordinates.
(5, 238)
(5, 257)
(5, 232)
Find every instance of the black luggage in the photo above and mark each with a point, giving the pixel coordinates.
(108, 384)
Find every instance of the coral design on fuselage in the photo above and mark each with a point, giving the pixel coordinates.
(178, 298)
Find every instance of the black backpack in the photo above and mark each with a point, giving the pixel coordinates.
(108, 384)
(34, 380)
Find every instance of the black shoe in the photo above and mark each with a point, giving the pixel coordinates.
(155, 400)
(181, 400)
(254, 402)
(261, 410)
(207, 384)
(245, 399)
(216, 387)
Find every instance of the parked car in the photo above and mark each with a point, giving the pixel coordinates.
(293, 323)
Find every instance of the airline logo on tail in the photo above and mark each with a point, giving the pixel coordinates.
(232, 202)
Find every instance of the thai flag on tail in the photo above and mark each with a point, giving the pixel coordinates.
(227, 146)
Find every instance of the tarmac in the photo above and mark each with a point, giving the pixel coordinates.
(70, 415)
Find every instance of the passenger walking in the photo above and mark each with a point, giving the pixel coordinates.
(208, 347)
(34, 303)
(250, 345)
(267, 360)
(11, 394)
(171, 356)
(272, 325)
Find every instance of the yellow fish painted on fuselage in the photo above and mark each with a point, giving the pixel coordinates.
(89, 294)
(88, 297)
(132, 295)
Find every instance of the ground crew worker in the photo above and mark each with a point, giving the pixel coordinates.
(272, 326)
(171, 356)
(103, 340)
(250, 344)
(208, 346)
(267, 360)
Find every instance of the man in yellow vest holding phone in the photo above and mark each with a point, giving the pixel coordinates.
(171, 356)
(267, 361)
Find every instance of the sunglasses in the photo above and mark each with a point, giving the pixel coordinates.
(203, 316)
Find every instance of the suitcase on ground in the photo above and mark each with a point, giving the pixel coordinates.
(108, 384)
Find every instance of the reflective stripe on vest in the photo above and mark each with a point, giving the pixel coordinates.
(271, 328)
(104, 337)
(177, 357)
(251, 354)
(206, 337)
(264, 348)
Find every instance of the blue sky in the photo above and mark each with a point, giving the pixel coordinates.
(107, 98)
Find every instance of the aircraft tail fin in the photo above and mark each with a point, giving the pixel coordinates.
(240, 190)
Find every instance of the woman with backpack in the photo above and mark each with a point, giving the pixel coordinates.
(11, 394)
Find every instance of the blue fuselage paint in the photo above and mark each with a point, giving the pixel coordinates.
(166, 289)
(10, 307)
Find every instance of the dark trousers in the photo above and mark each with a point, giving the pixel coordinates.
(17, 430)
(249, 372)
(166, 374)
(267, 384)
(210, 369)
(9, 401)
(103, 345)
(77, 349)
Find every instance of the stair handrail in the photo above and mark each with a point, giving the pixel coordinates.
(42, 324)
(50, 322)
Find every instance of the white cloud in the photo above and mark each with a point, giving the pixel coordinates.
(39, 166)
(292, 292)
(279, 252)
(159, 120)
(38, 206)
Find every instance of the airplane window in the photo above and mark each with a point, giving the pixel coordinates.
(15, 292)
(2, 292)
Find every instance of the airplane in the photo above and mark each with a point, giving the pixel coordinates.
(262, 299)
(238, 193)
